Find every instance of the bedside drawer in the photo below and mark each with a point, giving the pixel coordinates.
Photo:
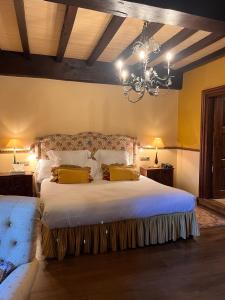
(20, 185)
(164, 176)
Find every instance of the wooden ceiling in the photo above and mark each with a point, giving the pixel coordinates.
(38, 27)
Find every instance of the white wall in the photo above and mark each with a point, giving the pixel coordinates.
(188, 170)
(6, 160)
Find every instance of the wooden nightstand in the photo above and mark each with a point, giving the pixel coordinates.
(161, 175)
(19, 184)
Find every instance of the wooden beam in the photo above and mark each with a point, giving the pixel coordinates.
(152, 29)
(158, 11)
(173, 42)
(42, 66)
(69, 18)
(204, 60)
(105, 39)
(210, 10)
(205, 42)
(21, 21)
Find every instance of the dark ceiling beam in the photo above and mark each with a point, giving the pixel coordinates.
(42, 66)
(105, 39)
(21, 21)
(69, 19)
(188, 15)
(173, 42)
(210, 10)
(204, 60)
(152, 29)
(203, 43)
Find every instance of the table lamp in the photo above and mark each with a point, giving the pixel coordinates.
(157, 143)
(15, 144)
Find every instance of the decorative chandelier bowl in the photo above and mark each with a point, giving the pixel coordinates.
(144, 78)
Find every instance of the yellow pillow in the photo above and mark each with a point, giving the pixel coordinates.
(105, 170)
(55, 171)
(120, 173)
(123, 173)
(66, 174)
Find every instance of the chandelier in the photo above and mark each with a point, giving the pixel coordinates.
(143, 77)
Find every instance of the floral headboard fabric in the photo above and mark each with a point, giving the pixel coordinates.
(91, 141)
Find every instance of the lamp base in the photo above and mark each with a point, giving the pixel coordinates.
(18, 167)
(156, 165)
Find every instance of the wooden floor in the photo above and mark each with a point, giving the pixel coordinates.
(217, 205)
(193, 269)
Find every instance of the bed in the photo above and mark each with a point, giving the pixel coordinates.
(103, 215)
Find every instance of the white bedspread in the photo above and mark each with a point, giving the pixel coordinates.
(68, 205)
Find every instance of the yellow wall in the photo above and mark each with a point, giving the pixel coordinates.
(189, 111)
(31, 107)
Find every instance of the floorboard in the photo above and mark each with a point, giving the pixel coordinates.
(217, 205)
(192, 269)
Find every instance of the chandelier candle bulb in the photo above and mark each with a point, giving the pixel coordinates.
(124, 75)
(142, 55)
(119, 65)
(169, 56)
(168, 68)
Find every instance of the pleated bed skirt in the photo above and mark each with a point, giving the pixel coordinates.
(121, 235)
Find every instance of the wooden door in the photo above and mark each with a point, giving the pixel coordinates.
(219, 148)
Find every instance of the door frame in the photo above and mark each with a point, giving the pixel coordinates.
(206, 140)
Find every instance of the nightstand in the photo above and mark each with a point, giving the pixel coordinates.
(16, 184)
(161, 175)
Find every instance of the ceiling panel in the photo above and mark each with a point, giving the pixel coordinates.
(44, 22)
(128, 31)
(166, 33)
(9, 33)
(199, 54)
(87, 30)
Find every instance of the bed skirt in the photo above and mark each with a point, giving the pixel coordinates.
(116, 236)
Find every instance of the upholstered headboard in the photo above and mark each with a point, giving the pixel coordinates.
(91, 141)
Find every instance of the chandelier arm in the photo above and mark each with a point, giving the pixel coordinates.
(155, 84)
(162, 78)
(127, 89)
(138, 99)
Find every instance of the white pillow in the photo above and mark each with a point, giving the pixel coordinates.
(91, 163)
(43, 169)
(112, 157)
(78, 157)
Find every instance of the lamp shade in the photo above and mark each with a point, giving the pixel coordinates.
(158, 143)
(15, 144)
